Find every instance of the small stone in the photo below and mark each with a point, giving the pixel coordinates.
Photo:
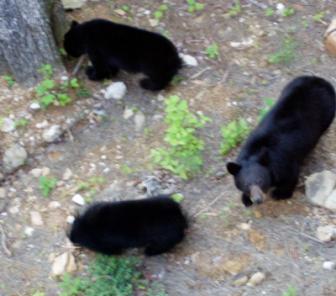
(78, 199)
(73, 4)
(35, 106)
(280, 8)
(240, 281)
(14, 210)
(244, 44)
(36, 172)
(42, 124)
(63, 263)
(139, 120)
(14, 157)
(244, 226)
(52, 134)
(189, 60)
(329, 265)
(256, 279)
(326, 233)
(36, 218)
(28, 231)
(67, 174)
(116, 90)
(128, 113)
(3, 192)
(7, 125)
(45, 171)
(70, 219)
(54, 205)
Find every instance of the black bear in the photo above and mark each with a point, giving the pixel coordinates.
(157, 224)
(111, 46)
(272, 154)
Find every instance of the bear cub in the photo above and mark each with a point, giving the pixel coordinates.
(271, 156)
(156, 223)
(111, 47)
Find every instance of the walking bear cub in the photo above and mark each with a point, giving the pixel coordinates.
(111, 47)
(157, 224)
(271, 156)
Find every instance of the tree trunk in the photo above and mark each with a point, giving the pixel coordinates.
(26, 39)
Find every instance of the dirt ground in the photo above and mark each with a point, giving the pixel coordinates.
(226, 242)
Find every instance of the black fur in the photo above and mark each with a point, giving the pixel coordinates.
(157, 224)
(111, 46)
(273, 153)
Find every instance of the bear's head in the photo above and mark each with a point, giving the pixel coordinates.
(252, 177)
(73, 41)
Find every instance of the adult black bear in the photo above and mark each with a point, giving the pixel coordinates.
(112, 46)
(157, 224)
(272, 154)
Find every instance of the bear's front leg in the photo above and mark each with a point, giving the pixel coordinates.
(283, 192)
(99, 69)
(246, 200)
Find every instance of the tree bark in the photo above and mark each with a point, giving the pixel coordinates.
(26, 39)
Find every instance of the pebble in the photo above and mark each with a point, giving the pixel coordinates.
(256, 279)
(244, 226)
(326, 233)
(36, 172)
(63, 263)
(329, 265)
(29, 231)
(139, 120)
(36, 218)
(116, 90)
(244, 44)
(35, 106)
(7, 125)
(78, 199)
(54, 205)
(42, 124)
(52, 134)
(67, 174)
(128, 113)
(70, 219)
(14, 157)
(3, 192)
(189, 60)
(240, 281)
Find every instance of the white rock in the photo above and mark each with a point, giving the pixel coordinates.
(326, 233)
(70, 219)
(52, 134)
(128, 113)
(14, 210)
(329, 265)
(330, 203)
(73, 4)
(256, 279)
(42, 124)
(7, 125)
(35, 106)
(36, 218)
(67, 175)
(36, 172)
(280, 7)
(3, 192)
(189, 60)
(54, 205)
(244, 226)
(244, 44)
(116, 90)
(78, 199)
(63, 263)
(139, 120)
(14, 157)
(28, 231)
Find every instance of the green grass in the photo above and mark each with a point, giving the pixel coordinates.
(291, 291)
(318, 17)
(269, 11)
(160, 12)
(9, 80)
(47, 185)
(90, 187)
(183, 156)
(21, 122)
(110, 276)
(233, 134)
(288, 11)
(235, 9)
(285, 54)
(194, 6)
(212, 51)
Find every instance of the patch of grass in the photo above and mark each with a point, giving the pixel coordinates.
(90, 187)
(47, 185)
(178, 197)
(194, 6)
(269, 11)
(183, 156)
(212, 51)
(233, 134)
(291, 291)
(269, 102)
(318, 17)
(125, 8)
(177, 79)
(160, 12)
(9, 80)
(288, 11)
(21, 122)
(285, 54)
(110, 276)
(126, 169)
(235, 9)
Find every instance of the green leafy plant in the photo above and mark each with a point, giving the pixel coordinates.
(90, 187)
(9, 80)
(233, 134)
(285, 54)
(47, 185)
(178, 197)
(291, 291)
(126, 8)
(269, 102)
(21, 122)
(269, 11)
(318, 17)
(160, 12)
(235, 9)
(194, 6)
(288, 11)
(109, 276)
(212, 51)
(183, 157)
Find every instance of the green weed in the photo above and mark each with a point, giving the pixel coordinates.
(269, 102)
(126, 8)
(183, 157)
(269, 11)
(233, 134)
(9, 80)
(47, 185)
(235, 9)
(291, 291)
(178, 197)
(194, 6)
(288, 11)
(318, 17)
(160, 12)
(285, 54)
(90, 187)
(21, 122)
(126, 169)
(110, 276)
(212, 51)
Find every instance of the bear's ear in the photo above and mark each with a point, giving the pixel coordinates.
(264, 157)
(233, 168)
(74, 24)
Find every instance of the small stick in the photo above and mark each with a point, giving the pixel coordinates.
(3, 242)
(78, 65)
(200, 73)
(207, 208)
